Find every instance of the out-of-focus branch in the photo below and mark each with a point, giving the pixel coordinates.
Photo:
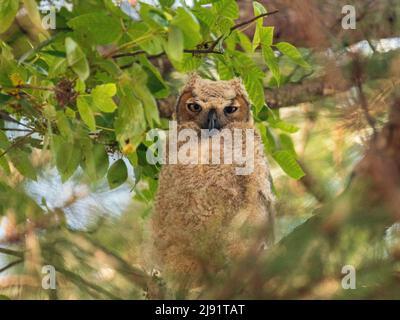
(85, 284)
(11, 252)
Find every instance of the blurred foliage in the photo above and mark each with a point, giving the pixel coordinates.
(81, 98)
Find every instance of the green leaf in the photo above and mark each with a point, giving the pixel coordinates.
(130, 122)
(258, 9)
(255, 89)
(141, 91)
(266, 36)
(139, 32)
(77, 59)
(189, 63)
(244, 41)
(284, 126)
(86, 112)
(288, 163)
(8, 11)
(174, 46)
(245, 65)
(101, 160)
(224, 70)
(95, 159)
(117, 174)
(167, 3)
(287, 143)
(68, 156)
(4, 163)
(4, 143)
(206, 17)
(155, 82)
(227, 8)
(97, 27)
(291, 52)
(189, 25)
(155, 17)
(22, 163)
(63, 124)
(272, 62)
(102, 97)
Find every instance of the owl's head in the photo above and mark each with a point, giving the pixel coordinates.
(212, 104)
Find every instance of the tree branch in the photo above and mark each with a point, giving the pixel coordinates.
(247, 22)
(207, 50)
(11, 252)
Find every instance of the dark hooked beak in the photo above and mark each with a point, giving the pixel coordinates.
(212, 120)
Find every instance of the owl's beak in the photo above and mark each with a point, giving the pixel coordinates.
(212, 120)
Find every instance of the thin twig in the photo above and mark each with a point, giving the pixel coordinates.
(84, 284)
(244, 23)
(128, 54)
(7, 117)
(15, 129)
(28, 86)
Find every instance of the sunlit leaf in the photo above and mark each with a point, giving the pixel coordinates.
(102, 97)
(174, 46)
(288, 163)
(271, 61)
(291, 52)
(8, 10)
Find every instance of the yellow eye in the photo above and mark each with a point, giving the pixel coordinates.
(230, 109)
(194, 107)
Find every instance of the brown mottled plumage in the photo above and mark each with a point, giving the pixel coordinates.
(205, 214)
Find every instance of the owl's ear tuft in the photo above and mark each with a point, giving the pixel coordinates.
(193, 78)
(186, 93)
(240, 90)
(237, 84)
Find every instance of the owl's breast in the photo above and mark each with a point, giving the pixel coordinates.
(198, 195)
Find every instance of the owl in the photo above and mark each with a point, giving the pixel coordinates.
(206, 214)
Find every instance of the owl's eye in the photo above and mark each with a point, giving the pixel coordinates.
(194, 107)
(230, 109)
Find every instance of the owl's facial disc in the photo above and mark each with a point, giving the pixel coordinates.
(213, 105)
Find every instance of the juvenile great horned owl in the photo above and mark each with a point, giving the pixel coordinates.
(208, 215)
